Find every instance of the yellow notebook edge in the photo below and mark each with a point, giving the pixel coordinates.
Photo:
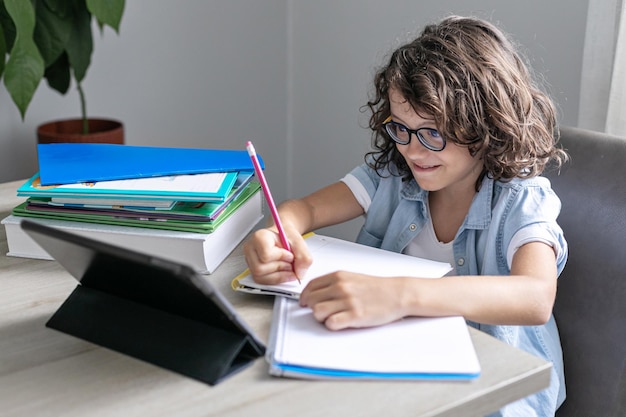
(235, 285)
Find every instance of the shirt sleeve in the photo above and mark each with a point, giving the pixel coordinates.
(359, 191)
(533, 218)
(532, 234)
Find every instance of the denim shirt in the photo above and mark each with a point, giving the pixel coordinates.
(398, 212)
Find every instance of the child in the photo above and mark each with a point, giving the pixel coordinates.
(460, 135)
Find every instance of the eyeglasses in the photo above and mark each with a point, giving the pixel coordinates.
(430, 138)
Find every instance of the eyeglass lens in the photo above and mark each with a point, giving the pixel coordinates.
(430, 138)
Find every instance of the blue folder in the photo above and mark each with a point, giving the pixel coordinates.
(68, 163)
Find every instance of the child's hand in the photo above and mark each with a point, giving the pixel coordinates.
(346, 299)
(270, 263)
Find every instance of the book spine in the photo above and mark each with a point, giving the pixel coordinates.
(277, 333)
(20, 245)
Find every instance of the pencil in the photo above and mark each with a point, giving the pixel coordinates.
(268, 197)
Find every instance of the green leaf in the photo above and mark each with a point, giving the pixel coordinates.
(22, 74)
(7, 26)
(3, 50)
(80, 43)
(25, 66)
(52, 30)
(107, 12)
(61, 8)
(58, 74)
(23, 15)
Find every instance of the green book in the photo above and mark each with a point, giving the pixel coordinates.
(167, 224)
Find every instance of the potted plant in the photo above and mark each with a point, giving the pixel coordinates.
(52, 39)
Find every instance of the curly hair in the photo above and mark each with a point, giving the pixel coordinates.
(467, 75)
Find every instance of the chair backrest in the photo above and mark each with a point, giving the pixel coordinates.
(590, 307)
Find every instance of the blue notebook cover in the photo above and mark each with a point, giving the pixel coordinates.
(68, 163)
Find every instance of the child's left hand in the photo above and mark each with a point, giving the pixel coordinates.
(346, 299)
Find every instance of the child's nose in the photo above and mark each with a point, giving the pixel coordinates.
(415, 147)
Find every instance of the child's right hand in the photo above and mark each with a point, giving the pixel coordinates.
(270, 263)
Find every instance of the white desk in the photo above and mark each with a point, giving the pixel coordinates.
(45, 372)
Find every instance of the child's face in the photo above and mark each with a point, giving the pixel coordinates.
(452, 169)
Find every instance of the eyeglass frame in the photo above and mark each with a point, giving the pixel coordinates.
(415, 132)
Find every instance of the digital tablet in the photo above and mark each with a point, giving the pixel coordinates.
(147, 307)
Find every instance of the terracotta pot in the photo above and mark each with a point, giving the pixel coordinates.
(69, 131)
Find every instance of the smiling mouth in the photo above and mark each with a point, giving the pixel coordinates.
(425, 167)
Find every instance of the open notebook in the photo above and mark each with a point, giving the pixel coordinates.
(411, 348)
(331, 254)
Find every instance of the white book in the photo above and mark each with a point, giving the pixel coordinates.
(202, 252)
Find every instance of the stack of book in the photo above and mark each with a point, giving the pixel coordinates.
(192, 206)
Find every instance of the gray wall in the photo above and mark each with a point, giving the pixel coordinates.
(189, 74)
(290, 75)
(337, 45)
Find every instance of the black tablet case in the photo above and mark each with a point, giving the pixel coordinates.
(148, 308)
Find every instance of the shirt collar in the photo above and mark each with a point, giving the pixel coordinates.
(479, 215)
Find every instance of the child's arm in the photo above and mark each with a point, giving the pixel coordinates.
(269, 263)
(525, 297)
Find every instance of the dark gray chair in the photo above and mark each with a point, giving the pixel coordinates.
(590, 306)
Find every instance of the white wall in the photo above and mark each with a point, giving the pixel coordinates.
(289, 74)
